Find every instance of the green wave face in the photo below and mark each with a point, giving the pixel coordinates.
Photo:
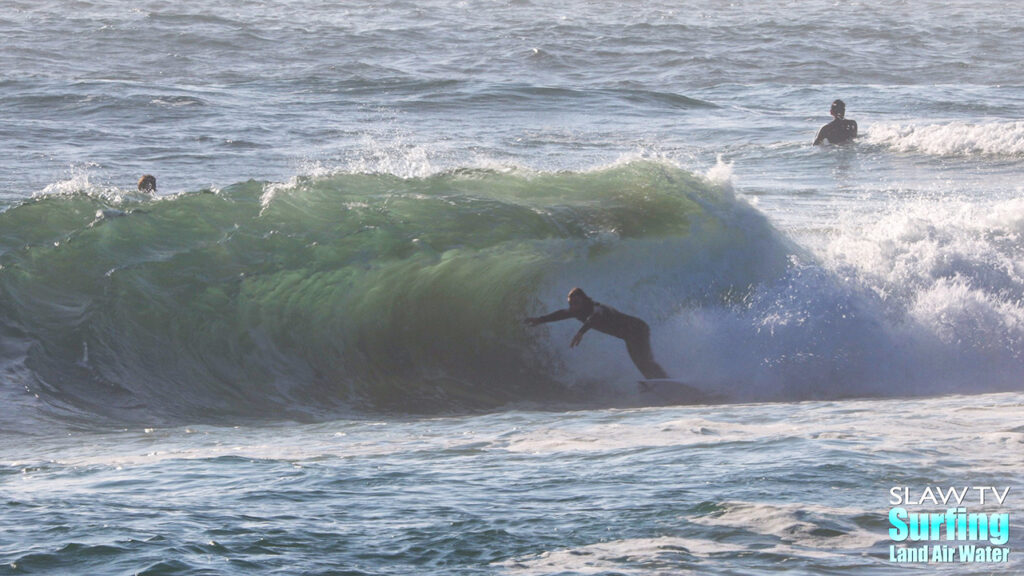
(353, 291)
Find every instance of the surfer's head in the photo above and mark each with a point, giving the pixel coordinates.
(147, 183)
(838, 109)
(578, 299)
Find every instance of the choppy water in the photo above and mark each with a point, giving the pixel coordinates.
(750, 489)
(305, 353)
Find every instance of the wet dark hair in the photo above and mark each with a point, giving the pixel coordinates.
(838, 109)
(147, 183)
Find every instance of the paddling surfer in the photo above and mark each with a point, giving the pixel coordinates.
(608, 320)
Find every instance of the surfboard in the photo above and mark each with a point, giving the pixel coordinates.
(674, 391)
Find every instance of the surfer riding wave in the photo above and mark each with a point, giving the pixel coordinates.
(635, 332)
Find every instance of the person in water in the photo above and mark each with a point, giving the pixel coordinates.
(610, 321)
(147, 184)
(838, 130)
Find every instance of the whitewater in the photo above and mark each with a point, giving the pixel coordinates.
(305, 353)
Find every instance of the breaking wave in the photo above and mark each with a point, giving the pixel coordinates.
(346, 293)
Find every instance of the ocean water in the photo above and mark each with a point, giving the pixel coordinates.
(305, 354)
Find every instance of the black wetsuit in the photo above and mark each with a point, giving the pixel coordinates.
(837, 131)
(608, 320)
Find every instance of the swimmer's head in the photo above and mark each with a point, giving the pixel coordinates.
(838, 109)
(147, 183)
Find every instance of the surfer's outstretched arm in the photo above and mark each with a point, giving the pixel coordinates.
(555, 316)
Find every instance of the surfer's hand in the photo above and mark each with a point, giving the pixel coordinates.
(531, 321)
(576, 340)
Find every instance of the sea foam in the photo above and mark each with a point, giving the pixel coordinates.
(1001, 138)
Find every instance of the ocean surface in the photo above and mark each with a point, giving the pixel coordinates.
(305, 353)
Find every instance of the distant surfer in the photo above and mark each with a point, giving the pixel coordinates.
(838, 130)
(147, 184)
(610, 321)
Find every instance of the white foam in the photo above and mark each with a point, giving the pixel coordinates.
(79, 180)
(721, 174)
(631, 556)
(955, 268)
(796, 526)
(630, 433)
(922, 297)
(951, 139)
(790, 530)
(397, 156)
